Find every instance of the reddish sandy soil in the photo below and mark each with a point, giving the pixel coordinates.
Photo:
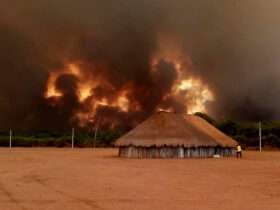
(65, 179)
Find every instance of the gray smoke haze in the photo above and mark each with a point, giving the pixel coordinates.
(234, 47)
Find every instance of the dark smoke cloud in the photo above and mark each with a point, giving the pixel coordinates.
(233, 46)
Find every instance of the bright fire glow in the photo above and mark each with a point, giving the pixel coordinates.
(185, 85)
(51, 89)
(84, 92)
(85, 86)
(187, 89)
(123, 103)
(196, 93)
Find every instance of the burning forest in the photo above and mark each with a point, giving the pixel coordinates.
(65, 63)
(168, 86)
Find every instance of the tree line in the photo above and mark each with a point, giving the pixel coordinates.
(45, 138)
(246, 133)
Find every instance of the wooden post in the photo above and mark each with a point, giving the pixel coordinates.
(73, 137)
(260, 135)
(95, 132)
(10, 143)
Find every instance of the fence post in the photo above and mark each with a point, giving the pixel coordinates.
(10, 142)
(73, 137)
(260, 135)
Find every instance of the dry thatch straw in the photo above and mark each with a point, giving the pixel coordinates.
(170, 129)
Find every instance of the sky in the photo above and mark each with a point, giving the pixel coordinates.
(230, 47)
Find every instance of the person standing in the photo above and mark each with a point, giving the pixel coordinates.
(238, 151)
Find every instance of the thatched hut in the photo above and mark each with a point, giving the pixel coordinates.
(170, 135)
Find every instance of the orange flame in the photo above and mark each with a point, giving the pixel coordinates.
(196, 94)
(85, 86)
(189, 89)
(51, 89)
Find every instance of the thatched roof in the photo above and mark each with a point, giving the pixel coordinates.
(170, 129)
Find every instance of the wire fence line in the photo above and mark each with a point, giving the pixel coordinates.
(73, 138)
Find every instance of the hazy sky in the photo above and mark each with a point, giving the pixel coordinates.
(234, 47)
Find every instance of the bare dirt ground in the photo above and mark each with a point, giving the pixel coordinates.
(81, 179)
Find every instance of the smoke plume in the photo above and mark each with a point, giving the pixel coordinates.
(114, 63)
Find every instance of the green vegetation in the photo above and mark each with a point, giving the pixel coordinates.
(55, 139)
(246, 133)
